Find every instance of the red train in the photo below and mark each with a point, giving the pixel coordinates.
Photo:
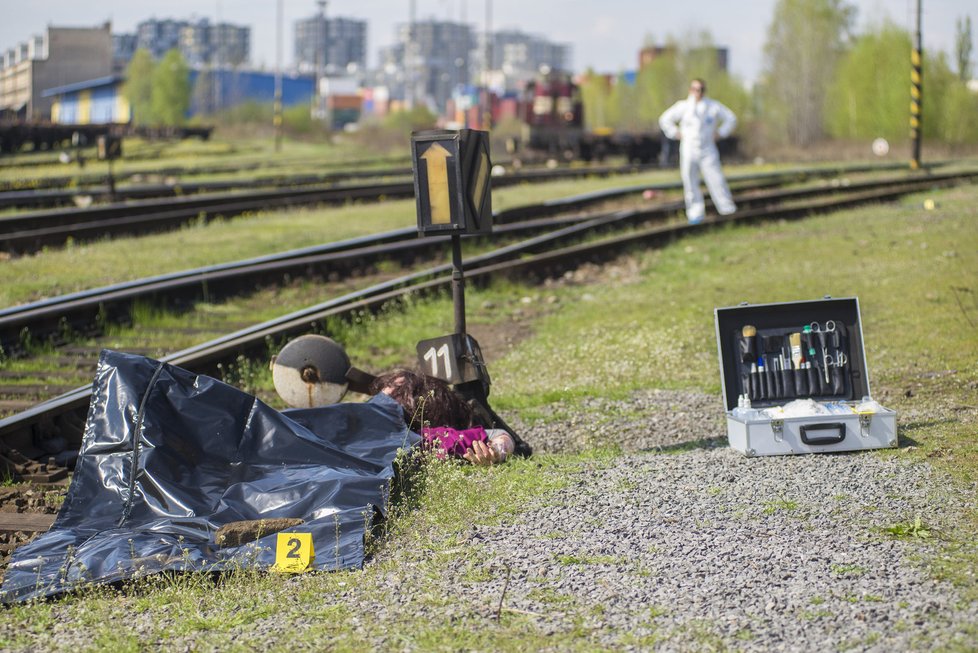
(552, 114)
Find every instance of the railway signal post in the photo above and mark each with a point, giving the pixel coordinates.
(454, 198)
(110, 149)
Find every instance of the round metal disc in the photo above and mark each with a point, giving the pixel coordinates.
(311, 371)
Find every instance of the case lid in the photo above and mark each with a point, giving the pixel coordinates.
(782, 318)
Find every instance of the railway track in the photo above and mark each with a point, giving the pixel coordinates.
(95, 189)
(83, 312)
(37, 443)
(95, 178)
(28, 232)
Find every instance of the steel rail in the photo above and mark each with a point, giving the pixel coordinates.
(524, 258)
(80, 312)
(28, 232)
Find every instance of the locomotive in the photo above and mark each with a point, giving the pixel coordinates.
(552, 115)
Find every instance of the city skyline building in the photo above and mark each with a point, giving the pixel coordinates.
(201, 42)
(436, 59)
(518, 57)
(60, 56)
(333, 45)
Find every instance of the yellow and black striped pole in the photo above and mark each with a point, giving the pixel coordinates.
(916, 94)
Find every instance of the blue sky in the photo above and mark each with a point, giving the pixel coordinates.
(605, 35)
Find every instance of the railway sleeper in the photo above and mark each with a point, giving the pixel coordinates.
(18, 467)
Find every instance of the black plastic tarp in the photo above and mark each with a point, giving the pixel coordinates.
(169, 456)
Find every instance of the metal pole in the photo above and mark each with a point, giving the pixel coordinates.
(322, 42)
(458, 284)
(277, 107)
(487, 107)
(409, 57)
(916, 92)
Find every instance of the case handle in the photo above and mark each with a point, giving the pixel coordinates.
(837, 437)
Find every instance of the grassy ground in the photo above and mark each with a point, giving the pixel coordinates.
(915, 272)
(191, 154)
(88, 265)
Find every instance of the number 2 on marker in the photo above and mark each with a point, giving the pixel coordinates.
(293, 552)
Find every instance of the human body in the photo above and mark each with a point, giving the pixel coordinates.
(444, 419)
(697, 123)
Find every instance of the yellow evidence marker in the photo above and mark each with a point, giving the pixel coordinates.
(293, 553)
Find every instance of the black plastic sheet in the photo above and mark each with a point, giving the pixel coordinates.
(169, 456)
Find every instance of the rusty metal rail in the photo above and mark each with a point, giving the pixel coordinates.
(538, 257)
(82, 312)
(29, 232)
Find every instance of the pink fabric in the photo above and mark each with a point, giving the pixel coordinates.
(447, 441)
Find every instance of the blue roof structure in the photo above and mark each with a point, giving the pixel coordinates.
(98, 82)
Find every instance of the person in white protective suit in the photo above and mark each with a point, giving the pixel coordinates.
(697, 123)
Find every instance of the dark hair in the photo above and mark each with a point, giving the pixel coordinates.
(426, 401)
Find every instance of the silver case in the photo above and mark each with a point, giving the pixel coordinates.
(774, 437)
(783, 437)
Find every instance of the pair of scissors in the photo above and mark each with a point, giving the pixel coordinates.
(829, 327)
(840, 360)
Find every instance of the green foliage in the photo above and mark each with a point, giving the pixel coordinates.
(805, 41)
(170, 98)
(614, 104)
(963, 46)
(870, 94)
(138, 87)
(907, 530)
(659, 84)
(405, 122)
(949, 108)
(956, 116)
(298, 119)
(595, 90)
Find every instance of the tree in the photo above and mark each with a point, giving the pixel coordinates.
(962, 47)
(805, 41)
(950, 109)
(659, 83)
(171, 89)
(868, 97)
(595, 91)
(138, 87)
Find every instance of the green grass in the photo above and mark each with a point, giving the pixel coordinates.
(85, 265)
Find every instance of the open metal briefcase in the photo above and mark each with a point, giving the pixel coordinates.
(795, 379)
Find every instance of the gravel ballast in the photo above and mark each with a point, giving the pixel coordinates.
(677, 543)
(684, 544)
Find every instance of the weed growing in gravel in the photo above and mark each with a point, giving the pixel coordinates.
(782, 504)
(848, 570)
(909, 530)
(588, 560)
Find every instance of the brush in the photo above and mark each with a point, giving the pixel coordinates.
(795, 340)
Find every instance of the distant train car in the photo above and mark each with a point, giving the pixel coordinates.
(552, 114)
(553, 123)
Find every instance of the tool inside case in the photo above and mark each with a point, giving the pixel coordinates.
(775, 353)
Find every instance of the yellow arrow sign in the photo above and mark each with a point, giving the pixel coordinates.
(481, 182)
(436, 158)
